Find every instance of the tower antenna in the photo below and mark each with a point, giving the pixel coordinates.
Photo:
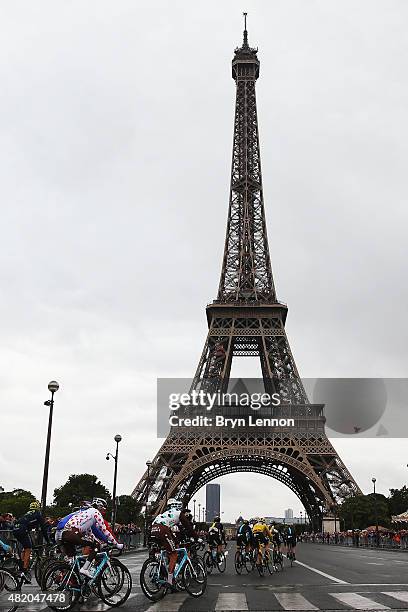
(245, 30)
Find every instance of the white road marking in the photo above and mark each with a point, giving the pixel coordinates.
(169, 604)
(374, 563)
(400, 595)
(231, 601)
(294, 601)
(313, 569)
(358, 602)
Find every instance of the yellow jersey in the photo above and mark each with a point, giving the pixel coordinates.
(262, 528)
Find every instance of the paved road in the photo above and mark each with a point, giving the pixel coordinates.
(325, 578)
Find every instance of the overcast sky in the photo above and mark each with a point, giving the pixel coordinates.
(116, 121)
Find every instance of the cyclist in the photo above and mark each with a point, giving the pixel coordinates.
(244, 536)
(174, 516)
(263, 536)
(31, 520)
(216, 535)
(86, 527)
(291, 541)
(276, 536)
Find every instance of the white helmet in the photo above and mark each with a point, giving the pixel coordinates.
(98, 502)
(174, 503)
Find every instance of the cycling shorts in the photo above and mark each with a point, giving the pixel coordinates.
(23, 537)
(243, 539)
(163, 535)
(260, 538)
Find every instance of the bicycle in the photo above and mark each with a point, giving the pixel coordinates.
(189, 573)
(214, 559)
(10, 585)
(110, 578)
(290, 555)
(265, 561)
(277, 559)
(244, 559)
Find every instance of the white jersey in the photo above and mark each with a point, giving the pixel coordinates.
(170, 518)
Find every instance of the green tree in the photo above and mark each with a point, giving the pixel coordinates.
(398, 500)
(127, 511)
(16, 502)
(359, 511)
(79, 487)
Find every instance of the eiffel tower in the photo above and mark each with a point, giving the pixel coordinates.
(247, 319)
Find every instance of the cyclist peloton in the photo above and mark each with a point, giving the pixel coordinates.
(244, 536)
(263, 536)
(174, 516)
(86, 528)
(216, 535)
(291, 541)
(31, 520)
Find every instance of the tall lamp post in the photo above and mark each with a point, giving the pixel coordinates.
(53, 386)
(377, 542)
(194, 501)
(199, 512)
(117, 439)
(204, 517)
(148, 464)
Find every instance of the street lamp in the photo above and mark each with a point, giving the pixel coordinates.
(374, 480)
(194, 501)
(204, 517)
(117, 439)
(53, 387)
(199, 512)
(148, 464)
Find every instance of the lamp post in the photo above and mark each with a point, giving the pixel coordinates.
(117, 439)
(199, 512)
(194, 502)
(377, 542)
(301, 517)
(148, 464)
(204, 517)
(53, 386)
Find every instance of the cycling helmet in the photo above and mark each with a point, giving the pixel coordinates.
(86, 504)
(35, 505)
(98, 502)
(246, 522)
(262, 520)
(216, 519)
(174, 503)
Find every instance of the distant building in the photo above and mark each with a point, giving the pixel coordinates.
(289, 513)
(212, 501)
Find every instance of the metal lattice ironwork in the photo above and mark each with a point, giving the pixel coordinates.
(246, 319)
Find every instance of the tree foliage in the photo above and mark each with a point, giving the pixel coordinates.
(16, 502)
(363, 511)
(79, 487)
(398, 500)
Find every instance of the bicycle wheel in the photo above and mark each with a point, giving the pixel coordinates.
(151, 581)
(119, 590)
(221, 561)
(112, 577)
(239, 562)
(208, 562)
(195, 578)
(10, 586)
(62, 580)
(268, 563)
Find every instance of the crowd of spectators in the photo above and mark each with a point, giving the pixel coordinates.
(384, 538)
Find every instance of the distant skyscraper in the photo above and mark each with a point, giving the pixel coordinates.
(289, 513)
(212, 501)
